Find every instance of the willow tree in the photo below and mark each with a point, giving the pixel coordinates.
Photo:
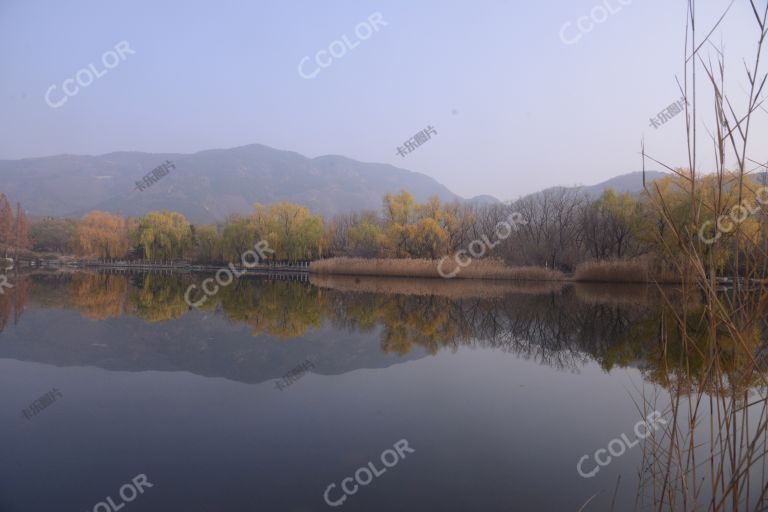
(364, 239)
(208, 243)
(609, 224)
(399, 212)
(162, 235)
(423, 230)
(238, 236)
(709, 210)
(291, 231)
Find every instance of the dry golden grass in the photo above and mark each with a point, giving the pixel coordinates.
(478, 269)
(639, 270)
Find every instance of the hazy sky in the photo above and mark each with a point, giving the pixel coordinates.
(515, 108)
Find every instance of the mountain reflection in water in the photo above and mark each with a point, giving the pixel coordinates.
(153, 386)
(562, 326)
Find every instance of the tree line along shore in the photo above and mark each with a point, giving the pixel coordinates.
(557, 234)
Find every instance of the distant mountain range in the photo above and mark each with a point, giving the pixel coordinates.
(210, 185)
(631, 183)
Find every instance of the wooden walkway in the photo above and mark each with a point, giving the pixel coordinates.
(281, 275)
(289, 270)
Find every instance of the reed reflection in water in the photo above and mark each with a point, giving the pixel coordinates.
(711, 451)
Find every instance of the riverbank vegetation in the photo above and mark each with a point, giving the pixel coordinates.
(14, 231)
(557, 232)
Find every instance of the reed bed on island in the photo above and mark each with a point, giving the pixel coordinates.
(637, 270)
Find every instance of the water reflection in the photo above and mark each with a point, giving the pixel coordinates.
(559, 326)
(258, 330)
(12, 302)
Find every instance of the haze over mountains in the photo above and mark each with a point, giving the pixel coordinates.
(208, 186)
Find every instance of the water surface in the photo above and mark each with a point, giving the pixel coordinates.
(499, 390)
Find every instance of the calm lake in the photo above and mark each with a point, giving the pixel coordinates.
(275, 393)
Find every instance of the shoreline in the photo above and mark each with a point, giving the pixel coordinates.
(600, 272)
(300, 267)
(479, 270)
(616, 272)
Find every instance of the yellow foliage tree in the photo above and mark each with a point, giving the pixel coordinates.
(163, 235)
(417, 230)
(291, 231)
(208, 244)
(101, 235)
(729, 208)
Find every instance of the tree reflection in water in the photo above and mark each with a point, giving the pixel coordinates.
(713, 387)
(559, 326)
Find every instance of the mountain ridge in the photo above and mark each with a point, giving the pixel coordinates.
(211, 184)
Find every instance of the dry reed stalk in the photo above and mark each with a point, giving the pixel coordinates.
(708, 456)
